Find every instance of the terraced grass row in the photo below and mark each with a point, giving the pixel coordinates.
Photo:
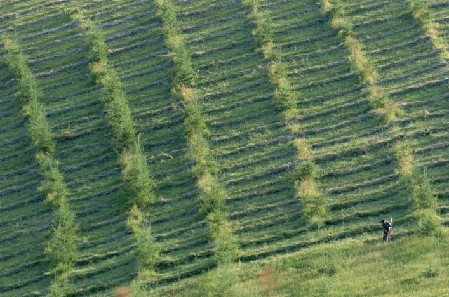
(421, 193)
(368, 74)
(248, 132)
(61, 250)
(421, 13)
(439, 14)
(133, 33)
(135, 173)
(348, 143)
(25, 220)
(56, 46)
(284, 96)
(212, 193)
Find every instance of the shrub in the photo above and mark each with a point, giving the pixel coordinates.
(212, 194)
(263, 32)
(361, 64)
(167, 12)
(148, 249)
(62, 246)
(428, 222)
(284, 97)
(404, 156)
(419, 10)
(53, 185)
(60, 287)
(388, 110)
(137, 175)
(184, 74)
(423, 195)
(201, 154)
(307, 169)
(314, 208)
(225, 241)
(195, 120)
(137, 288)
(38, 127)
(343, 25)
(336, 7)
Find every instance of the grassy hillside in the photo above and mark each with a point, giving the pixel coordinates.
(187, 136)
(412, 266)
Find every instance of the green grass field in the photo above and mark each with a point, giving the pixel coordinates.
(410, 266)
(280, 253)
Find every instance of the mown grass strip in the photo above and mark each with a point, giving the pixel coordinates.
(423, 198)
(212, 192)
(306, 172)
(61, 250)
(421, 13)
(139, 184)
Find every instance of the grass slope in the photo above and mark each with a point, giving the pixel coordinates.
(412, 266)
(249, 135)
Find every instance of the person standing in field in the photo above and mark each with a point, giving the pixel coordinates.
(387, 226)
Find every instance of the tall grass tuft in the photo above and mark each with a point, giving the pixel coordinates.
(61, 250)
(285, 97)
(212, 193)
(140, 185)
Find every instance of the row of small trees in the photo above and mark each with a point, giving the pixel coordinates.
(139, 184)
(420, 11)
(212, 192)
(424, 200)
(61, 249)
(367, 73)
(306, 172)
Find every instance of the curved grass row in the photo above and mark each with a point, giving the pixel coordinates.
(306, 171)
(135, 172)
(423, 198)
(61, 249)
(379, 101)
(420, 12)
(212, 193)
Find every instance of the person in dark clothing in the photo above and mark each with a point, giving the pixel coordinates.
(387, 226)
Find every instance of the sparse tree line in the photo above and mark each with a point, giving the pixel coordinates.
(423, 197)
(139, 184)
(61, 250)
(212, 193)
(285, 97)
